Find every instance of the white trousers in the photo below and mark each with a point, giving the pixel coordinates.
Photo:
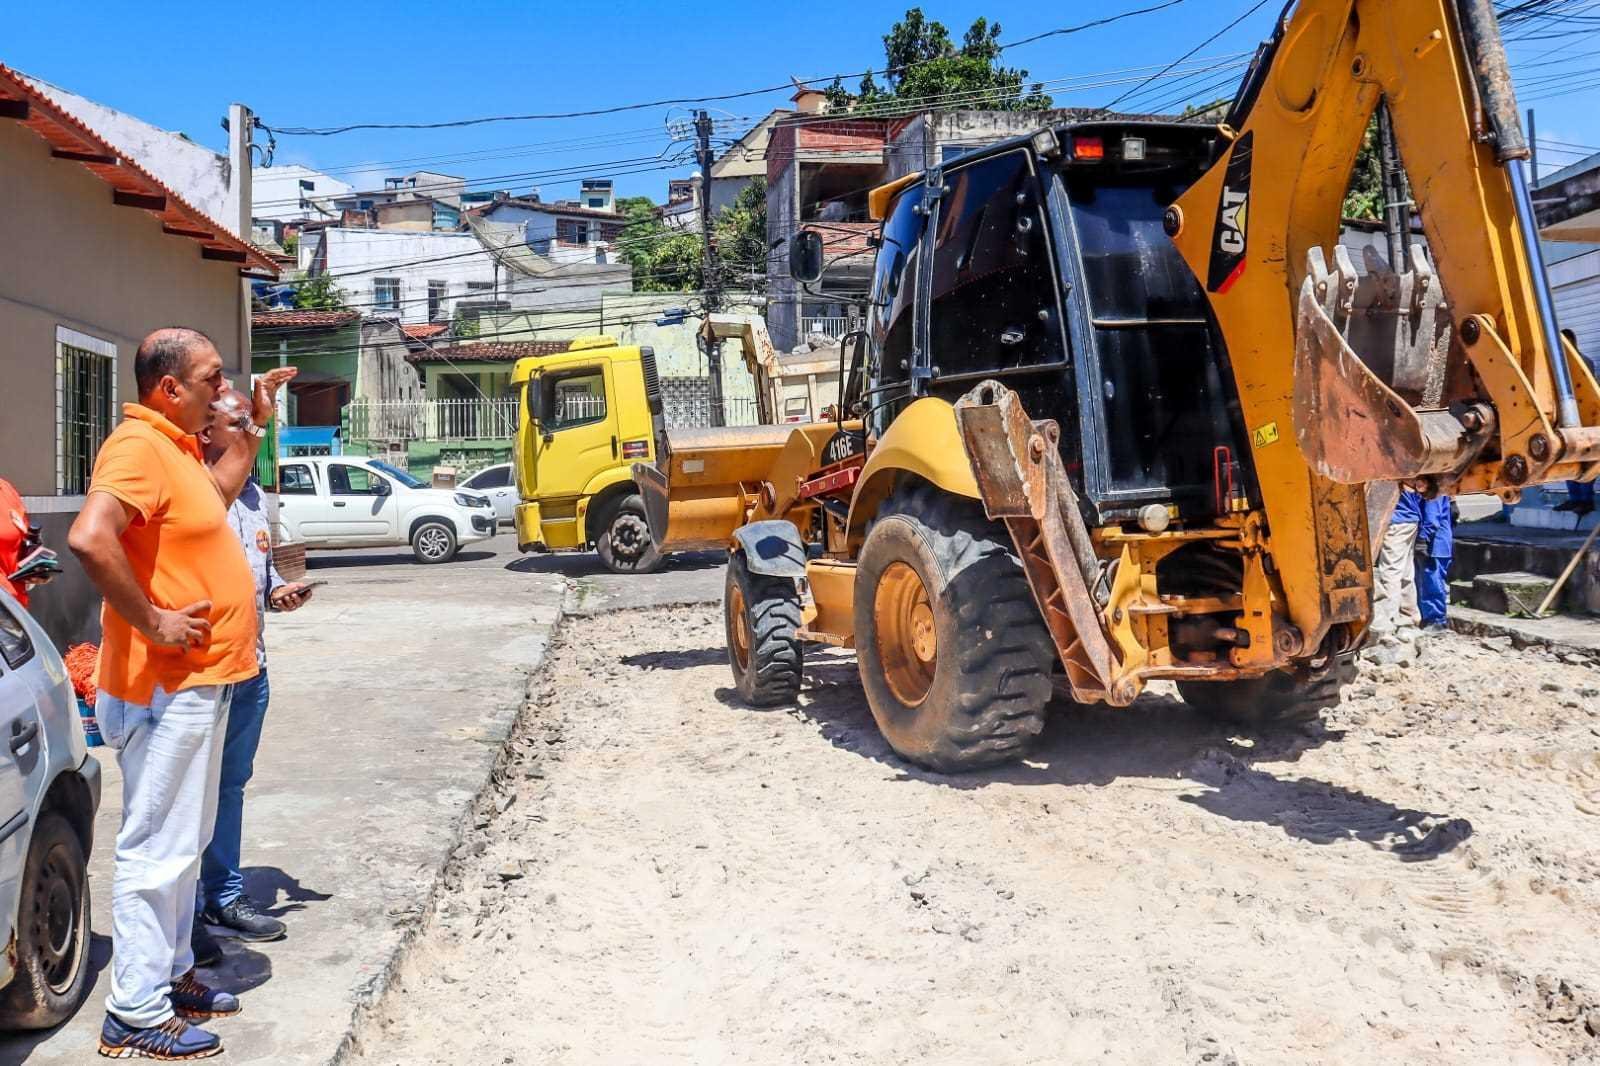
(170, 753)
(1394, 581)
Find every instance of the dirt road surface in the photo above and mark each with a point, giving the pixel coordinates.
(662, 875)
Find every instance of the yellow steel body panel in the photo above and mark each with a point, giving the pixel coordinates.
(715, 477)
(1337, 58)
(833, 586)
(923, 440)
(559, 473)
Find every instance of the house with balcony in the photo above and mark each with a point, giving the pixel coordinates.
(565, 231)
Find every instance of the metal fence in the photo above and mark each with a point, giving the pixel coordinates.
(443, 420)
(834, 327)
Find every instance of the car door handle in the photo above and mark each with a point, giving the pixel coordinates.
(338, 503)
(22, 735)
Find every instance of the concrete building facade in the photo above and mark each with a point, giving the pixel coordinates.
(98, 252)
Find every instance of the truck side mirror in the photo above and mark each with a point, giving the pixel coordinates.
(805, 255)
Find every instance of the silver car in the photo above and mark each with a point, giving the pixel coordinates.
(49, 792)
(500, 485)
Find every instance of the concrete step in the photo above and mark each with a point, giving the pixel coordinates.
(1517, 593)
(1501, 548)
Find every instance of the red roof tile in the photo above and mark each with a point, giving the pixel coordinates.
(281, 319)
(70, 138)
(422, 331)
(488, 351)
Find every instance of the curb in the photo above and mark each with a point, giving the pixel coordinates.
(1525, 633)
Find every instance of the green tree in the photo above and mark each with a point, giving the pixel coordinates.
(318, 294)
(1364, 198)
(924, 66)
(742, 235)
(663, 260)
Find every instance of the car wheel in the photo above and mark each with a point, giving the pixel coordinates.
(625, 545)
(52, 930)
(434, 541)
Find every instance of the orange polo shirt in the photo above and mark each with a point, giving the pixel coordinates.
(182, 550)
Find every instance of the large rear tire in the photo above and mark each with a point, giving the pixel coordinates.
(762, 614)
(1261, 702)
(625, 545)
(953, 653)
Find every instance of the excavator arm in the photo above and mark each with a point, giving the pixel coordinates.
(1447, 375)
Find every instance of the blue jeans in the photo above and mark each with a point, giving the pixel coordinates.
(220, 879)
(1433, 594)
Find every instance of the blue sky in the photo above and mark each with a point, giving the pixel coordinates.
(178, 65)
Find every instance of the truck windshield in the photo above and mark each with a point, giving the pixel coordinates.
(1162, 388)
(410, 481)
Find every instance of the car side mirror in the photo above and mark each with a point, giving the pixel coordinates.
(380, 487)
(805, 256)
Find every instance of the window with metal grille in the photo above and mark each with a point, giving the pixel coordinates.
(386, 294)
(437, 290)
(86, 377)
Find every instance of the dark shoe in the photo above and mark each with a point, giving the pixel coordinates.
(172, 1041)
(242, 917)
(207, 952)
(193, 1000)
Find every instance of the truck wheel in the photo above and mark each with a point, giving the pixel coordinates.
(625, 545)
(1259, 702)
(52, 930)
(762, 615)
(434, 541)
(953, 653)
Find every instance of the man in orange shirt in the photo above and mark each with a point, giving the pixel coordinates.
(179, 628)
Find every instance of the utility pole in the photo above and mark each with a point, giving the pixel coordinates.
(1533, 150)
(708, 270)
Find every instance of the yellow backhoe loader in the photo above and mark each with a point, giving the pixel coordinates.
(1123, 401)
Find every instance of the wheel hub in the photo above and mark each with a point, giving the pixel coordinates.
(629, 536)
(741, 630)
(55, 921)
(434, 542)
(908, 638)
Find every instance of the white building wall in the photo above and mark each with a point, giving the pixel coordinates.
(358, 257)
(1575, 286)
(276, 191)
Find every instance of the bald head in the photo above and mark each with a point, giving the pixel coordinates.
(166, 352)
(179, 372)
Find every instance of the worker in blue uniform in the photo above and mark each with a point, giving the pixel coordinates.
(1435, 546)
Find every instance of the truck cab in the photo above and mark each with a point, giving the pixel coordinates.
(584, 418)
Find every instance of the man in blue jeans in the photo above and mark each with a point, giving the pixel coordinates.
(1435, 547)
(221, 898)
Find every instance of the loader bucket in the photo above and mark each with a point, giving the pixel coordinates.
(706, 483)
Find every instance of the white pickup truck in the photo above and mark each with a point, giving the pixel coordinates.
(349, 501)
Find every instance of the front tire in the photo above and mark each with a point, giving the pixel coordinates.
(52, 930)
(953, 653)
(434, 541)
(625, 545)
(762, 616)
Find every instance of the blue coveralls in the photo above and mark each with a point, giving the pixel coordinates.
(1435, 546)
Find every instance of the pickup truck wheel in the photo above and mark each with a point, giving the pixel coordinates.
(953, 653)
(52, 930)
(763, 617)
(1260, 702)
(625, 545)
(434, 541)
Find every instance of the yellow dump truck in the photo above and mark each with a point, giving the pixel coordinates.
(585, 417)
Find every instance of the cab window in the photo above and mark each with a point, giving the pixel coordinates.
(992, 303)
(352, 481)
(575, 399)
(294, 479)
(893, 301)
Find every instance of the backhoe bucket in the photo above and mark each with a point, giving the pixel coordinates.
(1369, 365)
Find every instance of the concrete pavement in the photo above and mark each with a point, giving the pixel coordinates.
(392, 692)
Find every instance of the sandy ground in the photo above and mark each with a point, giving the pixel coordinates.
(665, 876)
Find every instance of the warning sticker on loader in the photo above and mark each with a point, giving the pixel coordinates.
(1265, 435)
